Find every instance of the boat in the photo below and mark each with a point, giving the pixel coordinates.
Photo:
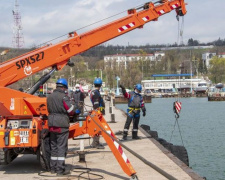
(219, 85)
(201, 88)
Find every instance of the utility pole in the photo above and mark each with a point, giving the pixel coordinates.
(18, 40)
(191, 68)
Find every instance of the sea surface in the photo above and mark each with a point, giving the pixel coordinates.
(202, 126)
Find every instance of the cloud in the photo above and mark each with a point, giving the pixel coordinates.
(44, 20)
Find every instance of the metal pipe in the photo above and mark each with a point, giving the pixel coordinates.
(41, 81)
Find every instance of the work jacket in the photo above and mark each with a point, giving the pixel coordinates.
(60, 107)
(97, 100)
(77, 97)
(135, 102)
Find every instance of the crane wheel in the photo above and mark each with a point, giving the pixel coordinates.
(7, 156)
(44, 153)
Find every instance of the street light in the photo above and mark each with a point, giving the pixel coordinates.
(190, 73)
(70, 80)
(117, 88)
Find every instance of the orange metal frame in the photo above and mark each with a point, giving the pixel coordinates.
(15, 104)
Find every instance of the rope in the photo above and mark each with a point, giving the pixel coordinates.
(176, 122)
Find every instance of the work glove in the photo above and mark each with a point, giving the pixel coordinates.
(122, 87)
(77, 111)
(144, 113)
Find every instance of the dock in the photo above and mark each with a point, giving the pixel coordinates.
(122, 100)
(216, 96)
(101, 163)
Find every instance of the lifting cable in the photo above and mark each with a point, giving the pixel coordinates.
(153, 166)
(137, 7)
(177, 109)
(177, 103)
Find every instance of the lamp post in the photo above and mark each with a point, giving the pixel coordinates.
(191, 75)
(117, 88)
(70, 80)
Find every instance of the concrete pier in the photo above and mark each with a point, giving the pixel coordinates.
(101, 162)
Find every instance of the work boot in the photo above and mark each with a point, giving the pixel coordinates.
(124, 138)
(134, 135)
(96, 143)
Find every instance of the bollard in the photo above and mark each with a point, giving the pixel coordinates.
(113, 118)
(81, 156)
(110, 109)
(114, 101)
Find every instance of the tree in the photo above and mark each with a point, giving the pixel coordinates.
(217, 69)
(192, 42)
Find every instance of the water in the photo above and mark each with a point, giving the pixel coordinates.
(202, 125)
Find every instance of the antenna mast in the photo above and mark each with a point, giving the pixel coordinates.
(18, 40)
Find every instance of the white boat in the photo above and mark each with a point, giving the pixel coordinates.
(201, 88)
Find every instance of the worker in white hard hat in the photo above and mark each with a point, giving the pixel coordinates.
(78, 97)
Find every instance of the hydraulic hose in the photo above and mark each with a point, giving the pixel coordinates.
(153, 166)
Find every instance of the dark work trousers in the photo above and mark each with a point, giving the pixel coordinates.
(128, 122)
(59, 147)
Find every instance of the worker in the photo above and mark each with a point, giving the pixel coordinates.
(98, 103)
(60, 107)
(135, 105)
(78, 97)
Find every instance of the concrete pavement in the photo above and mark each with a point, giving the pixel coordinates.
(101, 163)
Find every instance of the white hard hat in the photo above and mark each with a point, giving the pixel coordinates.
(77, 85)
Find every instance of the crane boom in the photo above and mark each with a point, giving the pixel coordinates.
(23, 117)
(59, 54)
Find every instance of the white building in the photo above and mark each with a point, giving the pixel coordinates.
(169, 84)
(124, 59)
(221, 55)
(206, 57)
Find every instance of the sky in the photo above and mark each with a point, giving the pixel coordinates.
(44, 20)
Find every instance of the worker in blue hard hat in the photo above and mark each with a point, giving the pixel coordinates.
(98, 103)
(60, 107)
(135, 105)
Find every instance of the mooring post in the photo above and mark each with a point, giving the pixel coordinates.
(112, 114)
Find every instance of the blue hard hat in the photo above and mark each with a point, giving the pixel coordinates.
(62, 82)
(98, 81)
(138, 87)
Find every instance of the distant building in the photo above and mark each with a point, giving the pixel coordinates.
(221, 55)
(122, 60)
(168, 84)
(206, 57)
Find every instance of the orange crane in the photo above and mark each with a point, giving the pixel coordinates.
(23, 116)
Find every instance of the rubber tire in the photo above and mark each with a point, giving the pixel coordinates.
(145, 127)
(6, 157)
(166, 144)
(3, 160)
(44, 152)
(181, 153)
(154, 134)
